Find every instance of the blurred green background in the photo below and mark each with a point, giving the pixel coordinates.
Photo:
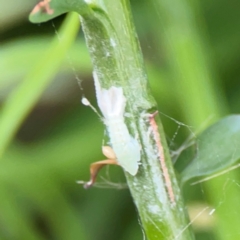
(48, 138)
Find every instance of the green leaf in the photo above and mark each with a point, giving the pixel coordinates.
(49, 9)
(217, 149)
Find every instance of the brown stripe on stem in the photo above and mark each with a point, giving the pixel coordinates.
(157, 139)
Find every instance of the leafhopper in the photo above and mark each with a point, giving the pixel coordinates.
(125, 149)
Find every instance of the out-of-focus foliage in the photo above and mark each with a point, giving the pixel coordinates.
(60, 138)
(221, 140)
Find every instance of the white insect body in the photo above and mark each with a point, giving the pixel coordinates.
(112, 105)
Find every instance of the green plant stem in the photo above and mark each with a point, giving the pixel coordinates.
(117, 61)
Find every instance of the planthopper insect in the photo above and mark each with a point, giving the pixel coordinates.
(125, 149)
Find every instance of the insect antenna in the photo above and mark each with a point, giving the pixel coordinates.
(86, 102)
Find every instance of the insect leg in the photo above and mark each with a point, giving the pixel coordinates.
(95, 168)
